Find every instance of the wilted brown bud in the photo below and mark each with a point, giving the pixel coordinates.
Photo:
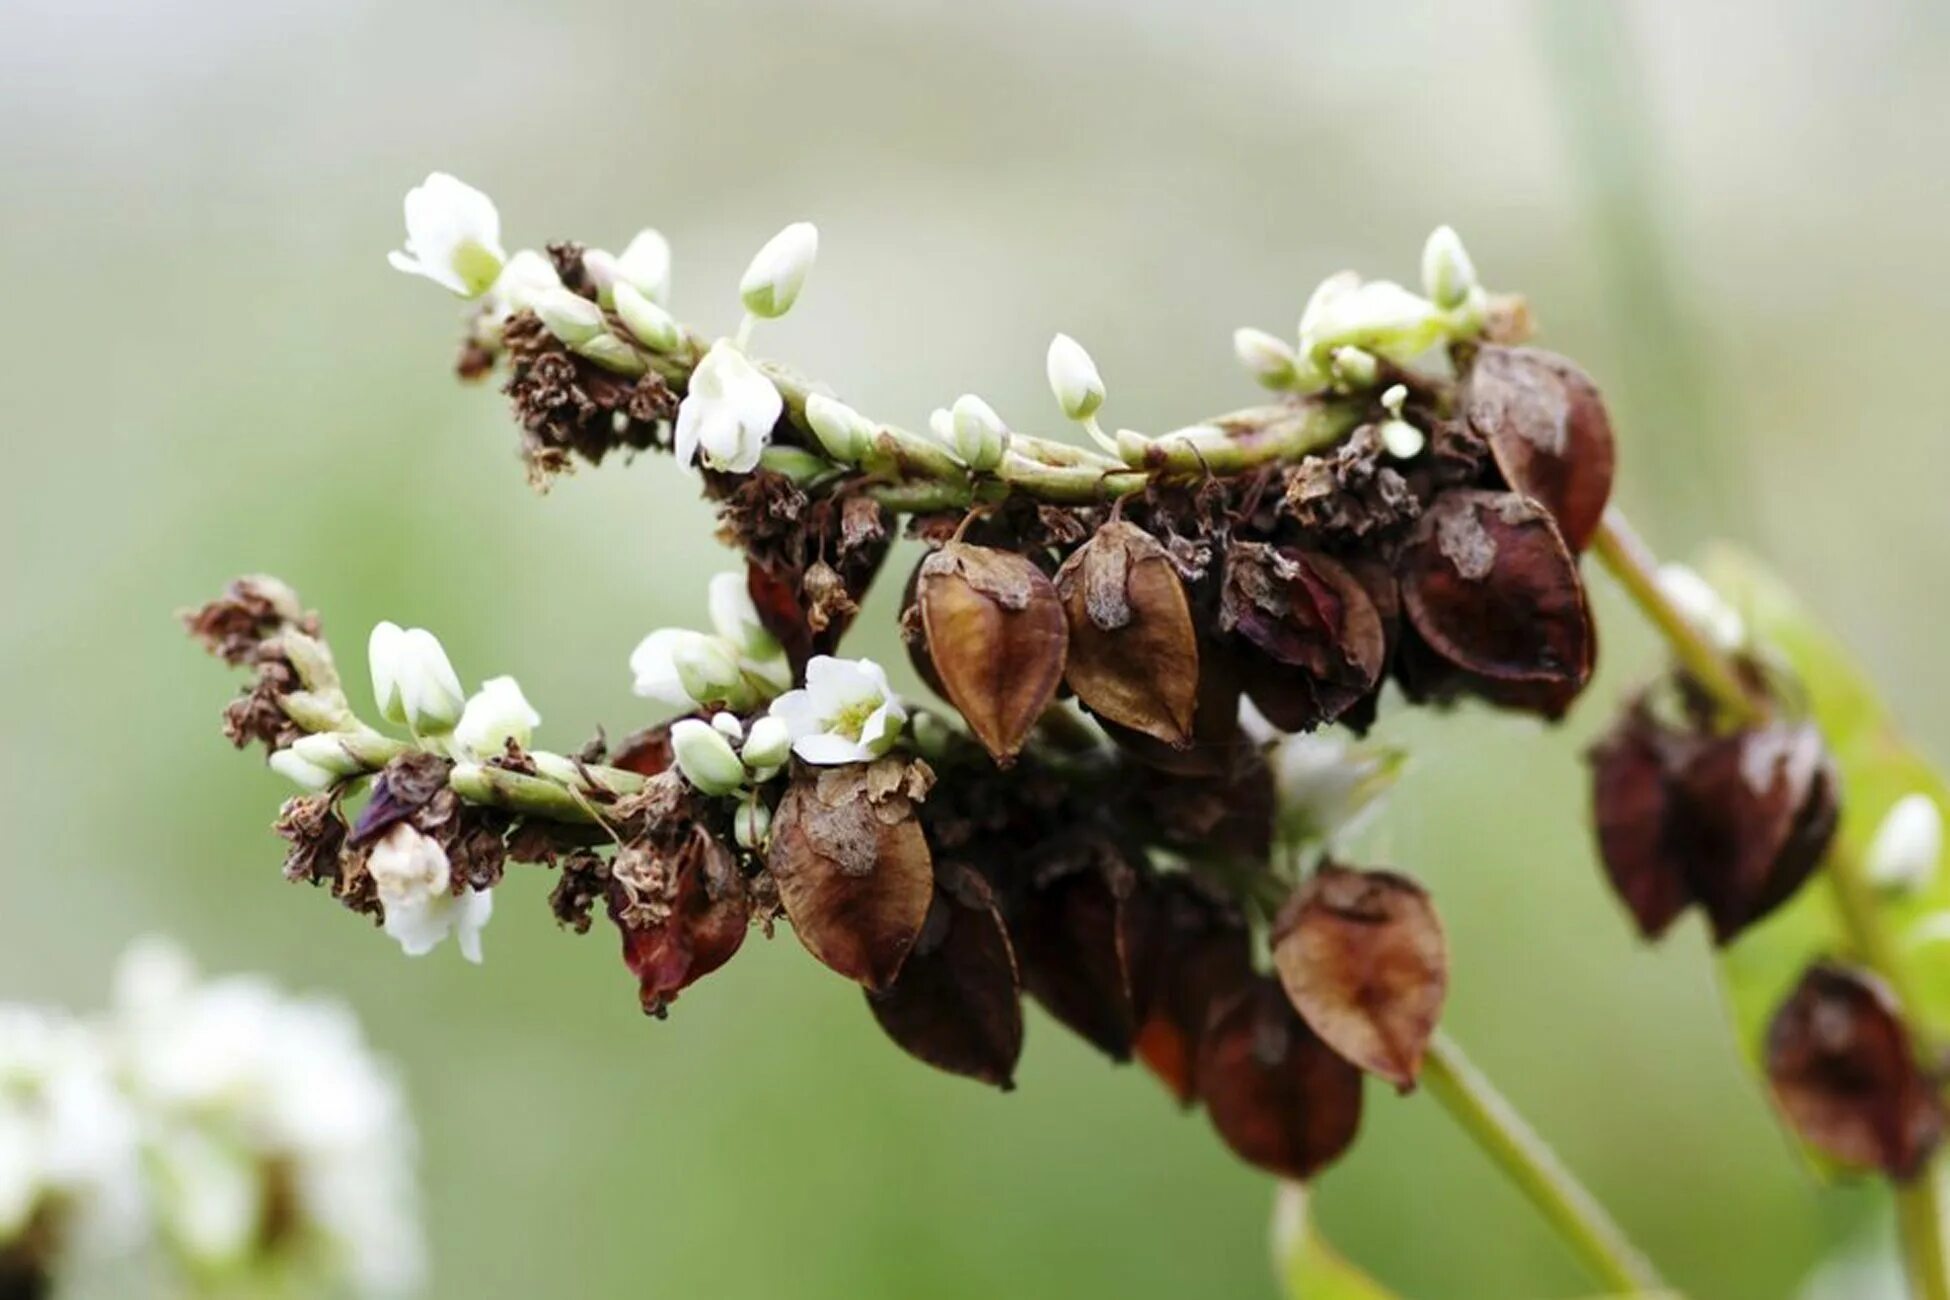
(1362, 956)
(1319, 639)
(682, 912)
(1282, 1099)
(1734, 822)
(407, 786)
(997, 637)
(1844, 1073)
(1188, 954)
(1546, 425)
(955, 1003)
(252, 610)
(1495, 599)
(852, 866)
(1133, 655)
(1071, 934)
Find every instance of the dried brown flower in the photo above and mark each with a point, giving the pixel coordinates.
(1316, 642)
(683, 912)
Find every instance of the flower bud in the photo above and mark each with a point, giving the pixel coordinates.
(1447, 273)
(327, 750)
(941, 423)
(496, 714)
(1403, 440)
(980, 437)
(1702, 606)
(301, 771)
(706, 758)
(751, 825)
(707, 667)
(768, 743)
(569, 316)
(728, 726)
(1354, 369)
(648, 323)
(413, 680)
(1073, 378)
(600, 266)
(842, 431)
(1908, 845)
(1379, 317)
(773, 280)
(527, 274)
(1271, 360)
(645, 265)
(735, 618)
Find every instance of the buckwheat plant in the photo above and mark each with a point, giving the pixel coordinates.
(1131, 807)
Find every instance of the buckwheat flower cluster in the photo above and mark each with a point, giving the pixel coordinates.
(215, 1137)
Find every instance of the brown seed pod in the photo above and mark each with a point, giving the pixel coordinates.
(1362, 956)
(1314, 641)
(1546, 425)
(1229, 813)
(955, 1003)
(1133, 655)
(1493, 593)
(1071, 933)
(682, 913)
(852, 866)
(1844, 1073)
(997, 637)
(1734, 822)
(1216, 743)
(1188, 955)
(1282, 1099)
(646, 752)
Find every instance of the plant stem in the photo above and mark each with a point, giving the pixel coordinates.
(1919, 1206)
(1619, 549)
(1502, 1134)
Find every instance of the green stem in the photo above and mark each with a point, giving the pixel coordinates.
(1919, 1207)
(1502, 1134)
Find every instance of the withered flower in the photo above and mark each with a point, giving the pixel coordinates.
(997, 637)
(1072, 935)
(1362, 956)
(1133, 654)
(852, 865)
(955, 1003)
(1316, 640)
(682, 911)
(1282, 1099)
(1734, 822)
(1496, 604)
(1844, 1073)
(1546, 425)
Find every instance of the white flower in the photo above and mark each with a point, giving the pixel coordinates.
(1268, 359)
(847, 713)
(1377, 316)
(1073, 378)
(772, 282)
(413, 680)
(726, 417)
(453, 236)
(525, 278)
(686, 669)
(412, 875)
(1448, 276)
(1702, 606)
(496, 714)
(1325, 786)
(980, 437)
(1908, 845)
(735, 618)
(841, 430)
(705, 757)
(645, 266)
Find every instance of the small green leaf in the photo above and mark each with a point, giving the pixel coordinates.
(1307, 1267)
(1878, 767)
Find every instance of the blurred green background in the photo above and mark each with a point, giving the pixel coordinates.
(1732, 214)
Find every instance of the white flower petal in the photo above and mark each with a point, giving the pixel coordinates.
(826, 748)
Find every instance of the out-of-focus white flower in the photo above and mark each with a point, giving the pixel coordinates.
(979, 436)
(1908, 845)
(846, 713)
(778, 272)
(768, 743)
(494, 715)
(651, 325)
(453, 236)
(1448, 275)
(413, 878)
(1702, 606)
(644, 265)
(523, 280)
(1269, 359)
(1073, 378)
(254, 1103)
(727, 416)
(705, 757)
(735, 618)
(1325, 786)
(841, 430)
(413, 680)
(1377, 316)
